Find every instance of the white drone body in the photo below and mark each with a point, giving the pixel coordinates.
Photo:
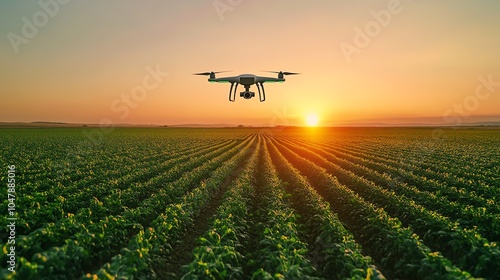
(246, 80)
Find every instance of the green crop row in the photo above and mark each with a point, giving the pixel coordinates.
(284, 203)
(471, 212)
(398, 249)
(465, 190)
(337, 253)
(154, 244)
(479, 217)
(281, 253)
(437, 159)
(462, 185)
(219, 252)
(99, 240)
(465, 247)
(40, 211)
(55, 233)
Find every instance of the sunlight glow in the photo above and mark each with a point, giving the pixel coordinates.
(312, 119)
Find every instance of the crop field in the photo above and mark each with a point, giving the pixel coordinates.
(250, 203)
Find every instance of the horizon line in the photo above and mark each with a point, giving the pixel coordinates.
(39, 124)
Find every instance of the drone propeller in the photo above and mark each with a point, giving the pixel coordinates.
(281, 72)
(209, 73)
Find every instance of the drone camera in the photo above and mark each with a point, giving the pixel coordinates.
(247, 94)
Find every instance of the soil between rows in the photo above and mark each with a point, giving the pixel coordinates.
(181, 251)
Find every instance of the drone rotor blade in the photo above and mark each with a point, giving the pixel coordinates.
(278, 72)
(209, 73)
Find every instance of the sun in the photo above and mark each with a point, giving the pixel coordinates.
(312, 119)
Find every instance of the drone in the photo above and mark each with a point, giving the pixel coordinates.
(246, 80)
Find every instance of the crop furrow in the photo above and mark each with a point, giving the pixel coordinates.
(458, 244)
(40, 212)
(398, 250)
(412, 159)
(487, 223)
(150, 247)
(481, 186)
(39, 240)
(219, 253)
(280, 252)
(413, 175)
(333, 248)
(477, 185)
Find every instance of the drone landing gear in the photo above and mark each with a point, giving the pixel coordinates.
(262, 96)
(260, 85)
(233, 93)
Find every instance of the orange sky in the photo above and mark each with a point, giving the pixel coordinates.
(362, 61)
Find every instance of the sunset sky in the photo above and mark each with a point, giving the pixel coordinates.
(361, 61)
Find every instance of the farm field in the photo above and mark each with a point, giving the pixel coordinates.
(252, 203)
